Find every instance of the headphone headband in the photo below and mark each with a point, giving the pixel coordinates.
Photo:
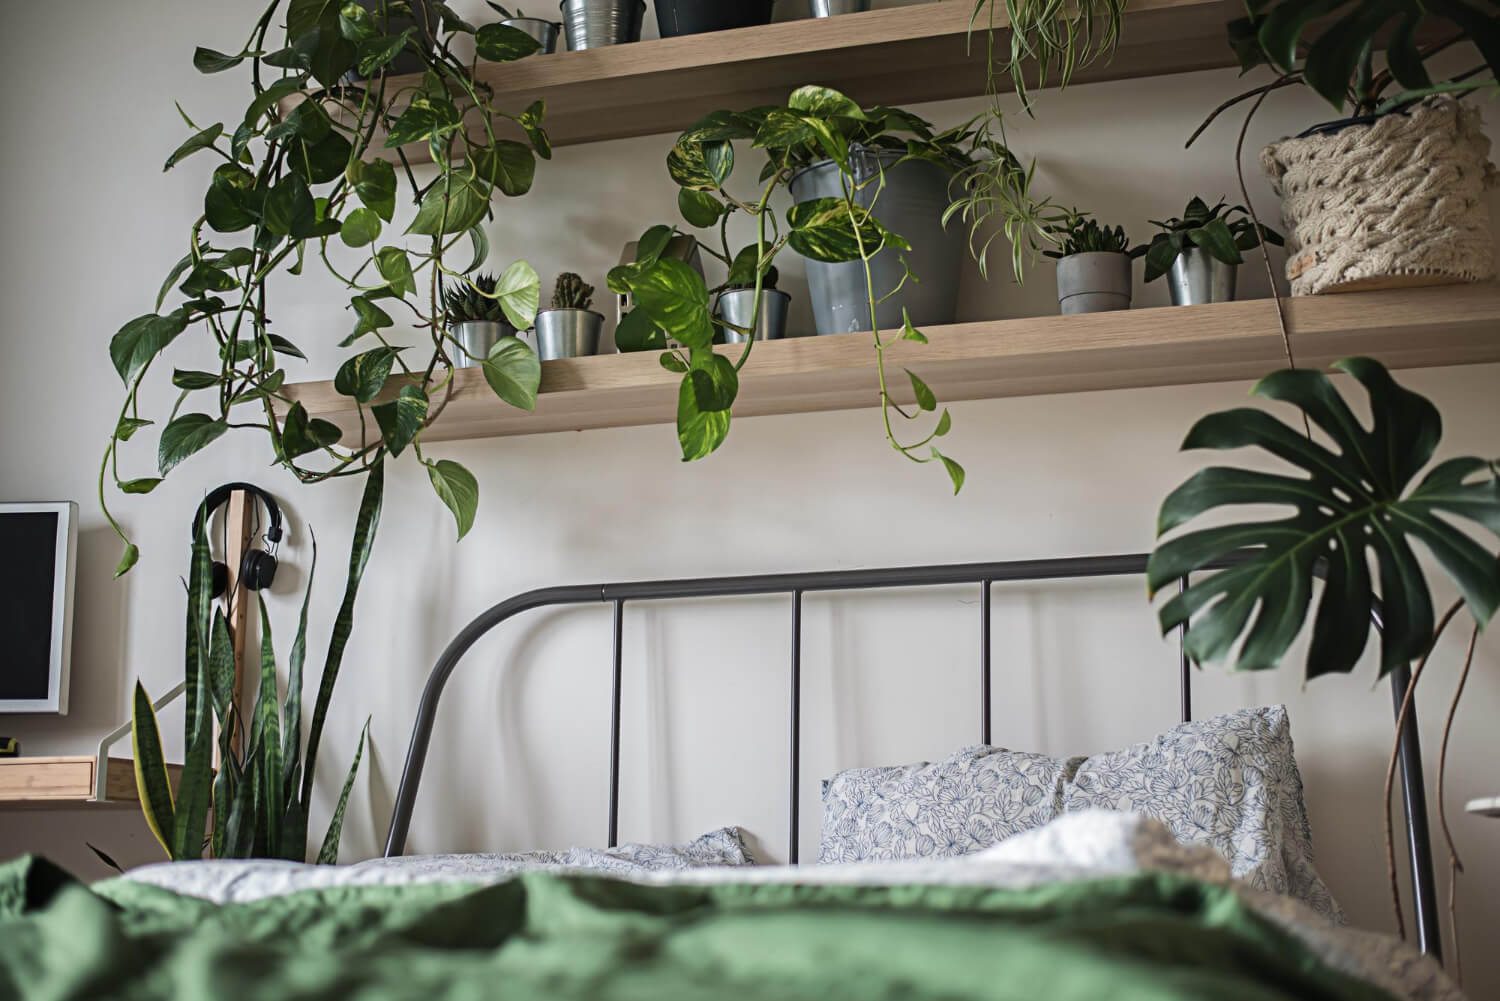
(219, 495)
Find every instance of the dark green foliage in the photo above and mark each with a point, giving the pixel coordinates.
(572, 292)
(1082, 234)
(1220, 230)
(474, 299)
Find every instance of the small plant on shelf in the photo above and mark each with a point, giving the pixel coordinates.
(1188, 246)
(1082, 234)
(572, 292)
(1093, 265)
(571, 328)
(474, 302)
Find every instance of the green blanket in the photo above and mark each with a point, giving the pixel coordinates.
(550, 936)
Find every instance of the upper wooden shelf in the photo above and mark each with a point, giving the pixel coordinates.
(905, 55)
(42, 783)
(1174, 345)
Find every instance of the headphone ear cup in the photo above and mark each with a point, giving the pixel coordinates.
(219, 576)
(258, 570)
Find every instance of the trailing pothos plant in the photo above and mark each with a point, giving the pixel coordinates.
(262, 787)
(311, 170)
(673, 302)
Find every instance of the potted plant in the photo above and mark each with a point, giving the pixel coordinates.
(570, 329)
(592, 24)
(692, 17)
(741, 309)
(832, 8)
(545, 32)
(1200, 252)
(1093, 266)
(1394, 194)
(475, 319)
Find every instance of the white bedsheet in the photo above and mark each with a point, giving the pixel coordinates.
(1077, 846)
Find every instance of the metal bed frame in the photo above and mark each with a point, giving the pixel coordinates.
(1414, 798)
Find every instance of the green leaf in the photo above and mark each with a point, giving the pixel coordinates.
(232, 202)
(424, 119)
(151, 782)
(700, 208)
(501, 43)
(210, 61)
(783, 129)
(142, 339)
(128, 426)
(370, 318)
(823, 229)
(954, 470)
(301, 435)
(265, 736)
(290, 210)
(688, 164)
(672, 363)
(295, 837)
(458, 489)
(1215, 238)
(374, 54)
(139, 486)
(364, 375)
(715, 382)
(510, 166)
(322, 160)
(356, 23)
(128, 559)
(637, 332)
(206, 277)
(519, 290)
(513, 372)
(1160, 256)
(202, 140)
(944, 425)
(375, 185)
(909, 332)
(699, 432)
(675, 298)
(401, 418)
(1346, 504)
(328, 854)
(824, 102)
(395, 267)
(360, 228)
(653, 243)
(454, 207)
(186, 435)
(924, 395)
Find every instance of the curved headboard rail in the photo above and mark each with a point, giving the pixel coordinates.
(1414, 798)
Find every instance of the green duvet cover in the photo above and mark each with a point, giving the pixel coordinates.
(548, 936)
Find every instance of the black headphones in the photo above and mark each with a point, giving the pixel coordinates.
(258, 567)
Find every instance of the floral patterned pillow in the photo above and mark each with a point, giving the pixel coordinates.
(960, 805)
(1230, 782)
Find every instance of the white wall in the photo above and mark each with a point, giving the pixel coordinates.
(92, 225)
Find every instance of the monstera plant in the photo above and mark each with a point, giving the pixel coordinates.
(312, 170)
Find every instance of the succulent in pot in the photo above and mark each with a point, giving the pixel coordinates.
(1093, 265)
(692, 17)
(475, 319)
(592, 24)
(1200, 252)
(545, 32)
(570, 329)
(743, 312)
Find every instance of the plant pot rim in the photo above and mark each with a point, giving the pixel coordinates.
(538, 20)
(564, 4)
(1095, 253)
(496, 323)
(571, 309)
(751, 288)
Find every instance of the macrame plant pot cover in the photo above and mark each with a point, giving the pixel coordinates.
(1397, 202)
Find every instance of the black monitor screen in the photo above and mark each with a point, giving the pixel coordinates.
(29, 542)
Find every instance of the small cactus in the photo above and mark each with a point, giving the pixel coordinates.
(465, 303)
(572, 292)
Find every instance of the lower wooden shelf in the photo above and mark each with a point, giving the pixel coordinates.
(68, 782)
(1410, 328)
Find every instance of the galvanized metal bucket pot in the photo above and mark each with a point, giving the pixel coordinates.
(737, 306)
(1197, 277)
(476, 338)
(693, 17)
(911, 205)
(1095, 282)
(545, 32)
(592, 24)
(830, 8)
(567, 333)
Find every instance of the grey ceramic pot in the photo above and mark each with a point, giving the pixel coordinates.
(592, 24)
(477, 337)
(545, 32)
(567, 333)
(912, 206)
(1095, 282)
(737, 306)
(1197, 277)
(830, 8)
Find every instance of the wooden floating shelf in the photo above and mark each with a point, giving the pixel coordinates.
(65, 782)
(1415, 328)
(905, 55)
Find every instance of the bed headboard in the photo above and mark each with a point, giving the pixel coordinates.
(1414, 798)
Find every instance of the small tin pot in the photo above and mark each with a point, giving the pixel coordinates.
(475, 339)
(592, 24)
(567, 333)
(737, 306)
(832, 8)
(1197, 277)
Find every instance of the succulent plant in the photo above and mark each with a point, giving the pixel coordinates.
(1082, 234)
(572, 292)
(474, 302)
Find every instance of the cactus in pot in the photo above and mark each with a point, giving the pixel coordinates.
(475, 320)
(570, 329)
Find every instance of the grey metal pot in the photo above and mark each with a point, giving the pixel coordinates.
(545, 32)
(830, 8)
(1095, 282)
(912, 205)
(591, 24)
(737, 306)
(1197, 277)
(477, 337)
(567, 333)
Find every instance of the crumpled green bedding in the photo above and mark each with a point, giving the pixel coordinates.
(551, 936)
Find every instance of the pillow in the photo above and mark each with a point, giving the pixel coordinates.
(1230, 782)
(960, 805)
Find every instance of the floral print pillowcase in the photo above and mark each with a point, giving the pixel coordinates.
(1230, 782)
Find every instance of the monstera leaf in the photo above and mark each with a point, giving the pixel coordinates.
(1350, 501)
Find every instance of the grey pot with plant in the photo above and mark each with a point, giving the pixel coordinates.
(592, 24)
(570, 329)
(545, 32)
(1093, 266)
(1200, 251)
(739, 315)
(476, 320)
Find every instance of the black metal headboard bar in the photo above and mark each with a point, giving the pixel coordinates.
(796, 584)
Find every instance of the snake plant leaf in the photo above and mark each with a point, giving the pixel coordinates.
(221, 666)
(265, 734)
(1350, 502)
(151, 783)
(365, 524)
(328, 854)
(291, 713)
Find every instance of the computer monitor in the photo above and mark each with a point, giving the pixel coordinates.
(39, 546)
